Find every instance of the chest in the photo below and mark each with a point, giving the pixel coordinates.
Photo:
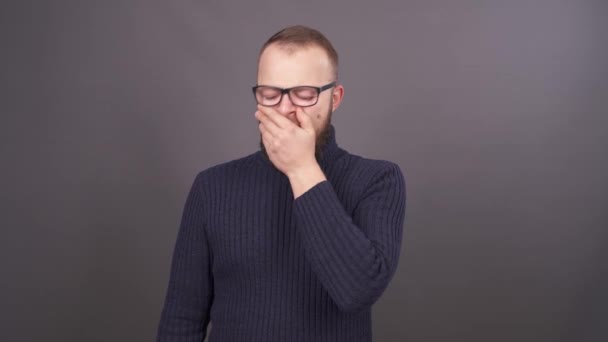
(252, 231)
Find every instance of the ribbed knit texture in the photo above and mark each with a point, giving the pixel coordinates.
(261, 266)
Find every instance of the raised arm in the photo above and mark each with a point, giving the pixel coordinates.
(354, 257)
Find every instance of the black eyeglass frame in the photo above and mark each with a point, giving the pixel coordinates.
(288, 90)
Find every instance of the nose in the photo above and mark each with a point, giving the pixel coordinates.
(285, 107)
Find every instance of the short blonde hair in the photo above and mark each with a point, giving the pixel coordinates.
(302, 36)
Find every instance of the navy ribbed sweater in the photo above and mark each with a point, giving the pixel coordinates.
(261, 266)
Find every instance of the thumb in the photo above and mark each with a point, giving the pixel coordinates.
(304, 121)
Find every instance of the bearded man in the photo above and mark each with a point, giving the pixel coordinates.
(298, 240)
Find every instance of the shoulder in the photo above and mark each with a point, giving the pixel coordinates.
(371, 169)
(355, 177)
(228, 169)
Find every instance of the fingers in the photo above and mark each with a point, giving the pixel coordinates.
(279, 120)
(270, 132)
(266, 139)
(267, 126)
(304, 120)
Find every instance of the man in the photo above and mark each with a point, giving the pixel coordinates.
(296, 241)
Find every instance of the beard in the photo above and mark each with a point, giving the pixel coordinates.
(321, 139)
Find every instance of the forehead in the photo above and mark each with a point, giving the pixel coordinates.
(291, 66)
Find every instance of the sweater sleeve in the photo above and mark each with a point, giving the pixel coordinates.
(185, 314)
(354, 257)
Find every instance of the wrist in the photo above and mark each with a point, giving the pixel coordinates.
(304, 171)
(302, 179)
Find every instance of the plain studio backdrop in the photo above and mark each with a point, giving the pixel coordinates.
(496, 112)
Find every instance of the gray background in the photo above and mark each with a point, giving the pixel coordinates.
(495, 111)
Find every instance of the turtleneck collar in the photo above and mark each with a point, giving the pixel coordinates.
(330, 151)
(327, 154)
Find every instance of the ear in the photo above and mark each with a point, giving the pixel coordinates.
(337, 96)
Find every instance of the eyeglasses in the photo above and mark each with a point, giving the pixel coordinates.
(301, 96)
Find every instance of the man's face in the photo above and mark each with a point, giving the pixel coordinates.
(287, 67)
